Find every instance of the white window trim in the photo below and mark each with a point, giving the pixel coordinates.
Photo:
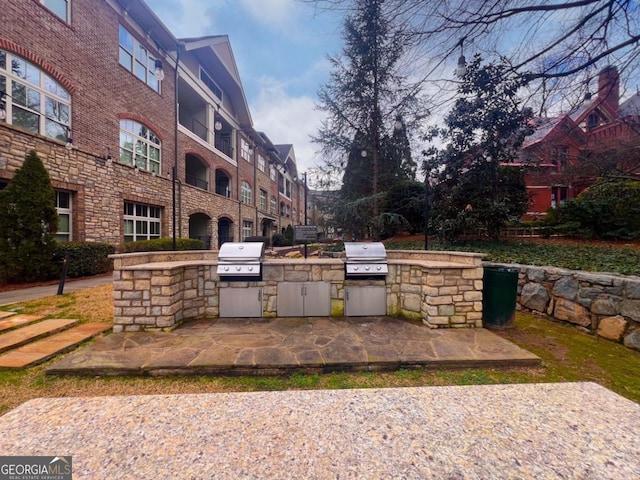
(65, 212)
(246, 193)
(148, 162)
(149, 66)
(148, 219)
(43, 78)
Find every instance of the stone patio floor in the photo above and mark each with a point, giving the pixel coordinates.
(240, 346)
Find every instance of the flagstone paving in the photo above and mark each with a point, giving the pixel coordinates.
(281, 345)
(21, 336)
(42, 350)
(11, 320)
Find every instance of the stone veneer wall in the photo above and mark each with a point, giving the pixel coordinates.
(607, 305)
(158, 290)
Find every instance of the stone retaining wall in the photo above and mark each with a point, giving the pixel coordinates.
(158, 290)
(607, 305)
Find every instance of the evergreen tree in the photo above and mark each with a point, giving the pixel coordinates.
(366, 91)
(28, 223)
(475, 186)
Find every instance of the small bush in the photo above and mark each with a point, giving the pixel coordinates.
(163, 245)
(85, 258)
(280, 240)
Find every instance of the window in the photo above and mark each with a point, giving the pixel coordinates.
(139, 143)
(263, 200)
(559, 157)
(592, 120)
(37, 102)
(136, 58)
(60, 7)
(245, 193)
(141, 222)
(272, 206)
(247, 229)
(245, 150)
(261, 163)
(206, 79)
(272, 173)
(63, 207)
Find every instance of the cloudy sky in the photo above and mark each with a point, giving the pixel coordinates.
(280, 47)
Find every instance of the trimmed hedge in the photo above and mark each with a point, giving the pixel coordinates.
(163, 245)
(85, 258)
(280, 240)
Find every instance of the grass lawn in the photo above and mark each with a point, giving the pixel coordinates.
(568, 355)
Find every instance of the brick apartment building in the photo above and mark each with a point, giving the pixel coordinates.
(563, 153)
(140, 131)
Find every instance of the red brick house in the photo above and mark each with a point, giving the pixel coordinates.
(565, 153)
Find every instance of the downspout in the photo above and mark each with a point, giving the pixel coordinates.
(174, 173)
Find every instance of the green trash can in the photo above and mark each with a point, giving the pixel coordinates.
(499, 294)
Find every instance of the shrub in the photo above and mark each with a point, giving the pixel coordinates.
(608, 209)
(163, 244)
(28, 223)
(280, 240)
(85, 258)
(289, 234)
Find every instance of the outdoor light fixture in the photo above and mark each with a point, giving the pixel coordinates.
(3, 108)
(363, 153)
(159, 70)
(461, 69)
(217, 121)
(69, 145)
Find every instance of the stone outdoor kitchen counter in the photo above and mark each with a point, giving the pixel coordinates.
(160, 290)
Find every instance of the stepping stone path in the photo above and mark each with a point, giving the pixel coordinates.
(29, 340)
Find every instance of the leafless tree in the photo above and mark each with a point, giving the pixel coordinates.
(558, 45)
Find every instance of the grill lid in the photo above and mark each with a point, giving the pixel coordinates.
(365, 258)
(240, 259)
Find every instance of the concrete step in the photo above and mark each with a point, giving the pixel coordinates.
(15, 321)
(42, 350)
(23, 335)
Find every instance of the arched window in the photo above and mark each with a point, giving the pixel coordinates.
(138, 143)
(245, 193)
(35, 101)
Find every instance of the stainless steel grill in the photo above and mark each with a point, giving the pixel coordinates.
(241, 260)
(365, 259)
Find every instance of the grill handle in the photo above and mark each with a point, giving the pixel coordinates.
(346, 294)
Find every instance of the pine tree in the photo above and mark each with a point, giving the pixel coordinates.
(28, 223)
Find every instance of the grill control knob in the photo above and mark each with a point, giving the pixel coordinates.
(366, 268)
(355, 268)
(379, 267)
(238, 269)
(251, 269)
(226, 269)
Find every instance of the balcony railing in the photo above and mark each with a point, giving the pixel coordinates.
(223, 144)
(223, 190)
(196, 182)
(194, 125)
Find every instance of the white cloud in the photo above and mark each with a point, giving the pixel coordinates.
(273, 13)
(287, 119)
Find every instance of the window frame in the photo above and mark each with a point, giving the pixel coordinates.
(261, 163)
(136, 139)
(246, 193)
(135, 59)
(247, 229)
(152, 218)
(263, 200)
(67, 17)
(245, 150)
(37, 96)
(64, 212)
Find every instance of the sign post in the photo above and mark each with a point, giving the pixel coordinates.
(305, 233)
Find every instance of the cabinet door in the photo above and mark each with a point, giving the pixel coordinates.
(317, 299)
(241, 302)
(290, 299)
(365, 301)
